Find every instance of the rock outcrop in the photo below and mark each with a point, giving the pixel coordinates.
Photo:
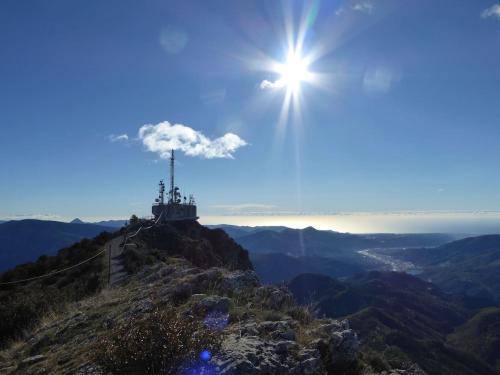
(261, 328)
(199, 276)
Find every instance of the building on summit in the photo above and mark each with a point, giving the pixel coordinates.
(177, 207)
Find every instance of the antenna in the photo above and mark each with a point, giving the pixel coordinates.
(162, 190)
(172, 198)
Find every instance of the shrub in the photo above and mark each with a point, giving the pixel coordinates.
(159, 343)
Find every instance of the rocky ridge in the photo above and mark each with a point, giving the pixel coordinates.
(261, 329)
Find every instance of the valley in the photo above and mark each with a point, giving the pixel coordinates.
(387, 262)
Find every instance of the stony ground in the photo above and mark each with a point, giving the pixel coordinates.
(263, 330)
(260, 333)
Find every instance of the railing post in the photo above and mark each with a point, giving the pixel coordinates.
(109, 264)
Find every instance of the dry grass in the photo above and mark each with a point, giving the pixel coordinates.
(156, 344)
(303, 314)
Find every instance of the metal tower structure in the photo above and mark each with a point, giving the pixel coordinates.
(172, 184)
(176, 208)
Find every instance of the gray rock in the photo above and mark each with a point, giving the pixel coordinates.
(257, 355)
(344, 346)
(337, 340)
(214, 303)
(284, 347)
(249, 355)
(310, 366)
(248, 329)
(288, 334)
(238, 282)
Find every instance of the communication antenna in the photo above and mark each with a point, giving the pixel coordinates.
(160, 199)
(172, 176)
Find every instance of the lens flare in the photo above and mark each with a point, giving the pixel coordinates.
(205, 355)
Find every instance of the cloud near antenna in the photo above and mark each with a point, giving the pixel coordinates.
(163, 137)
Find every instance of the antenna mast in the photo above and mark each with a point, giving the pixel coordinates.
(172, 198)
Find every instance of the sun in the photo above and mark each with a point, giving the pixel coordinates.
(294, 71)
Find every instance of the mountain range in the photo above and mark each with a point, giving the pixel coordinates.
(443, 321)
(313, 242)
(106, 223)
(326, 252)
(25, 240)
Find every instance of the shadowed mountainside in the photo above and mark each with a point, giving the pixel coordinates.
(278, 268)
(200, 245)
(469, 267)
(396, 314)
(25, 240)
(481, 336)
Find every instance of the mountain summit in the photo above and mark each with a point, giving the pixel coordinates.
(188, 302)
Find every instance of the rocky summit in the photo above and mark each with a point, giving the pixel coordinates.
(191, 305)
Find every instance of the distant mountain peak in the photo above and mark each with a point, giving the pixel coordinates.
(310, 229)
(76, 221)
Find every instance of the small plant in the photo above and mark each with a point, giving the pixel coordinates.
(160, 343)
(303, 314)
(133, 220)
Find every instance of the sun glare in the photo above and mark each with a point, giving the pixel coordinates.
(294, 71)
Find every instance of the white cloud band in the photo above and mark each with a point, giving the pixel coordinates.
(118, 138)
(163, 137)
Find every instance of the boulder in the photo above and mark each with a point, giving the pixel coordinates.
(238, 282)
(273, 298)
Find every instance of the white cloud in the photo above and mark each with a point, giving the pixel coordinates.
(364, 6)
(173, 40)
(163, 137)
(118, 138)
(492, 11)
(378, 80)
(271, 85)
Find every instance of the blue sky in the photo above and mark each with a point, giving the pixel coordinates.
(404, 116)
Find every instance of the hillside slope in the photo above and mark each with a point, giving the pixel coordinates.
(190, 304)
(481, 336)
(396, 314)
(469, 267)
